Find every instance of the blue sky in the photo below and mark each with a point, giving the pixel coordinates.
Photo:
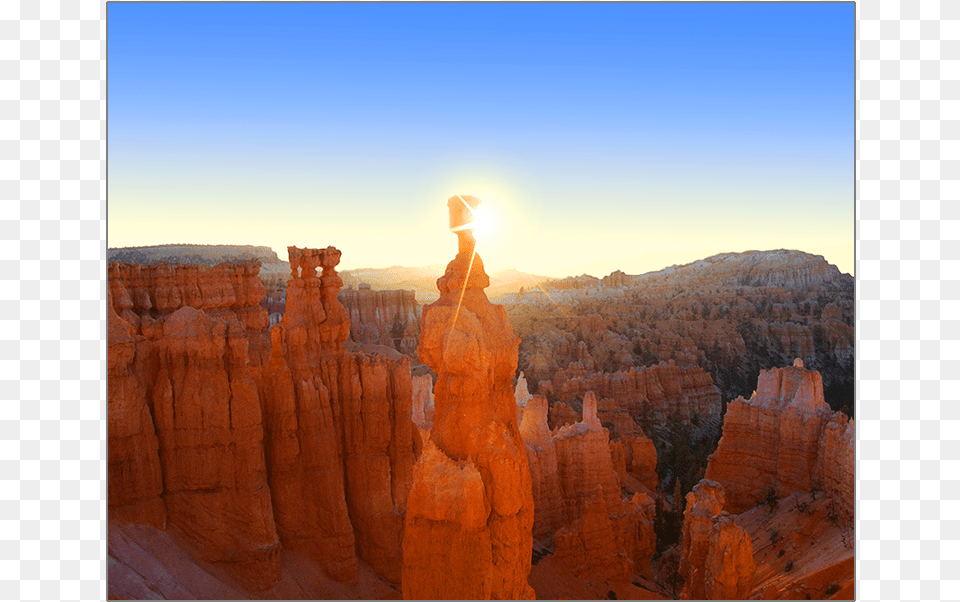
(603, 136)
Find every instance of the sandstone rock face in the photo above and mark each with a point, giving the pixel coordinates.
(548, 501)
(389, 318)
(704, 502)
(192, 333)
(611, 544)
(640, 456)
(836, 461)
(589, 545)
(561, 414)
(343, 443)
(732, 314)
(583, 457)
(227, 291)
(665, 387)
(422, 401)
(729, 570)
(211, 445)
(134, 480)
(717, 556)
(775, 440)
(263, 436)
(469, 521)
(521, 394)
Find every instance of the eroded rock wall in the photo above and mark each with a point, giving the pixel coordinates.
(389, 318)
(783, 439)
(263, 436)
(666, 387)
(716, 558)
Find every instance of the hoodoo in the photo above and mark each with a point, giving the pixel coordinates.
(468, 529)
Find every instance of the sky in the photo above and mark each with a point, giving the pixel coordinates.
(599, 136)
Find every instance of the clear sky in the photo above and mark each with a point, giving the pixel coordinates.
(601, 136)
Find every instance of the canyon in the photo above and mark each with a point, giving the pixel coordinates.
(356, 444)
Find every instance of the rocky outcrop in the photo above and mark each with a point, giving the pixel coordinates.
(732, 314)
(390, 318)
(716, 559)
(184, 402)
(560, 414)
(774, 441)
(134, 481)
(666, 388)
(835, 470)
(209, 423)
(584, 461)
(589, 483)
(640, 458)
(264, 437)
(589, 545)
(521, 395)
(347, 498)
(227, 291)
(548, 501)
(423, 409)
(469, 521)
(194, 254)
(779, 268)
(729, 570)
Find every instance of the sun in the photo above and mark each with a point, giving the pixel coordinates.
(487, 222)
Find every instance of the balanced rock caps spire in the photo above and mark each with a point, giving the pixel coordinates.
(468, 528)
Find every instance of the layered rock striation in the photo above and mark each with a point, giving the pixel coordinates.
(665, 388)
(262, 437)
(784, 439)
(548, 502)
(390, 318)
(469, 520)
(577, 488)
(716, 558)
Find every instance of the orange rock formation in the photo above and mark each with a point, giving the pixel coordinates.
(784, 438)
(666, 387)
(390, 318)
(716, 559)
(263, 437)
(605, 536)
(548, 501)
(469, 521)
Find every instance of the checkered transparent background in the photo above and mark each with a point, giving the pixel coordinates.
(53, 329)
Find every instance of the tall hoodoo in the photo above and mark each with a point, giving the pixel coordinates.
(468, 529)
(339, 435)
(716, 559)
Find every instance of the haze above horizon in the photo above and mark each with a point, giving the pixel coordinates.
(603, 136)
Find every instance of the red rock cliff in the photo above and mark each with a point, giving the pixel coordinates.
(784, 438)
(716, 559)
(192, 328)
(666, 387)
(548, 501)
(343, 441)
(389, 318)
(263, 437)
(604, 535)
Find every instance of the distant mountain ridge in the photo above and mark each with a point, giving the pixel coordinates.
(779, 268)
(194, 254)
